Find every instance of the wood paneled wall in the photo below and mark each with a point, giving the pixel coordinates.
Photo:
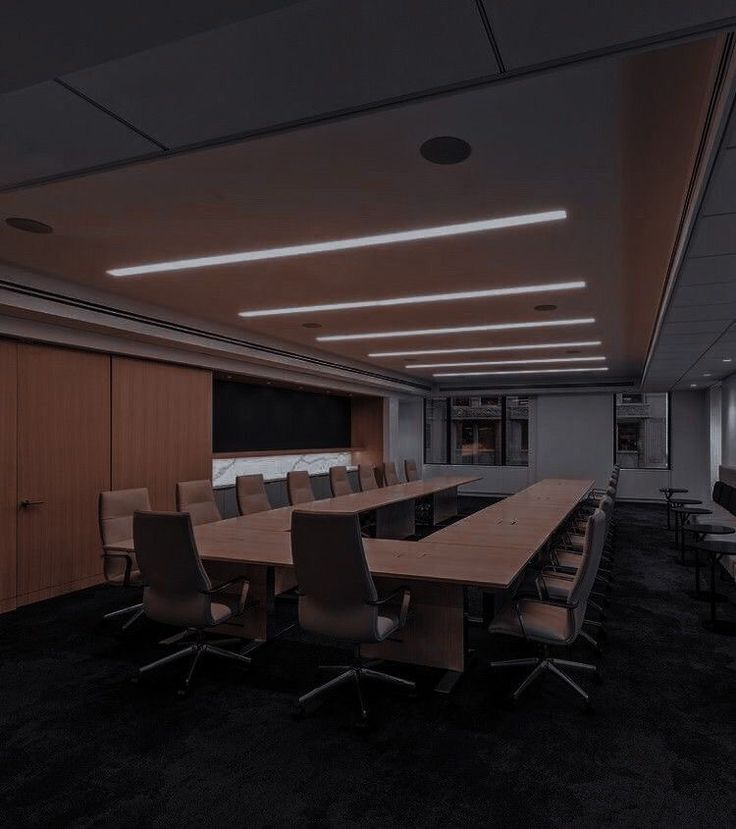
(8, 473)
(161, 427)
(367, 429)
(63, 464)
(75, 423)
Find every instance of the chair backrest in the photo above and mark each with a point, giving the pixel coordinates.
(115, 511)
(177, 585)
(335, 584)
(366, 477)
(299, 487)
(730, 503)
(251, 494)
(339, 481)
(595, 536)
(198, 499)
(390, 476)
(410, 470)
(718, 492)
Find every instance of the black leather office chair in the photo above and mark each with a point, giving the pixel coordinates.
(338, 597)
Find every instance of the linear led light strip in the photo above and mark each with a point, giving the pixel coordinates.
(414, 300)
(464, 329)
(436, 351)
(511, 362)
(522, 371)
(344, 244)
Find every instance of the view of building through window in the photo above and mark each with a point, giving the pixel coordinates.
(488, 431)
(641, 431)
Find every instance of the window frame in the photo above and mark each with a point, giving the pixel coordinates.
(668, 423)
(448, 435)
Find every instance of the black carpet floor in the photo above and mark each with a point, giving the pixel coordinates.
(81, 745)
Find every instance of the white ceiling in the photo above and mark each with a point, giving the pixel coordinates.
(697, 342)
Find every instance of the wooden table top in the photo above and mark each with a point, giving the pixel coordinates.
(279, 520)
(487, 558)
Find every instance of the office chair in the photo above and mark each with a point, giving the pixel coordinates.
(251, 494)
(410, 470)
(198, 499)
(115, 516)
(338, 598)
(553, 625)
(339, 481)
(177, 589)
(299, 487)
(366, 477)
(388, 471)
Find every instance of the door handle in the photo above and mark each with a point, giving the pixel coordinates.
(27, 502)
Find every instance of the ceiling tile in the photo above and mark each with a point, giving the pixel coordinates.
(714, 236)
(721, 196)
(529, 32)
(46, 130)
(702, 271)
(297, 63)
(710, 294)
(724, 312)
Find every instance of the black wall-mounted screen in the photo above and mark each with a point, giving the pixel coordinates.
(250, 418)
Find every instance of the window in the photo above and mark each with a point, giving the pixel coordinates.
(642, 430)
(483, 431)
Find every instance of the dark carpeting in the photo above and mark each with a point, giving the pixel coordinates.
(80, 745)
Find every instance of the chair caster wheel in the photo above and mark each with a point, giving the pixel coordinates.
(298, 714)
(182, 692)
(598, 677)
(588, 707)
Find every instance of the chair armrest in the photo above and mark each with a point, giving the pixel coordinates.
(128, 563)
(243, 591)
(405, 599)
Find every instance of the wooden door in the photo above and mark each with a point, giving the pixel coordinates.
(8, 454)
(161, 427)
(63, 464)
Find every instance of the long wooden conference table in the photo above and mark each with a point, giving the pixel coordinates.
(489, 549)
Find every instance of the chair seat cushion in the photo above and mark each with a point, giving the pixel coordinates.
(386, 623)
(136, 579)
(557, 587)
(571, 560)
(221, 612)
(543, 622)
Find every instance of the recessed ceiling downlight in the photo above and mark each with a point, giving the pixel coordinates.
(28, 225)
(445, 149)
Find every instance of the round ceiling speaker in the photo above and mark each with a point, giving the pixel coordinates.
(445, 149)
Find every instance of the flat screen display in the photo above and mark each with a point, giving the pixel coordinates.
(250, 418)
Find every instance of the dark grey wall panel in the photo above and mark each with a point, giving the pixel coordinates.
(302, 61)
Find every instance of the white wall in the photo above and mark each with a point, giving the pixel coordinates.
(574, 436)
(728, 421)
(571, 436)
